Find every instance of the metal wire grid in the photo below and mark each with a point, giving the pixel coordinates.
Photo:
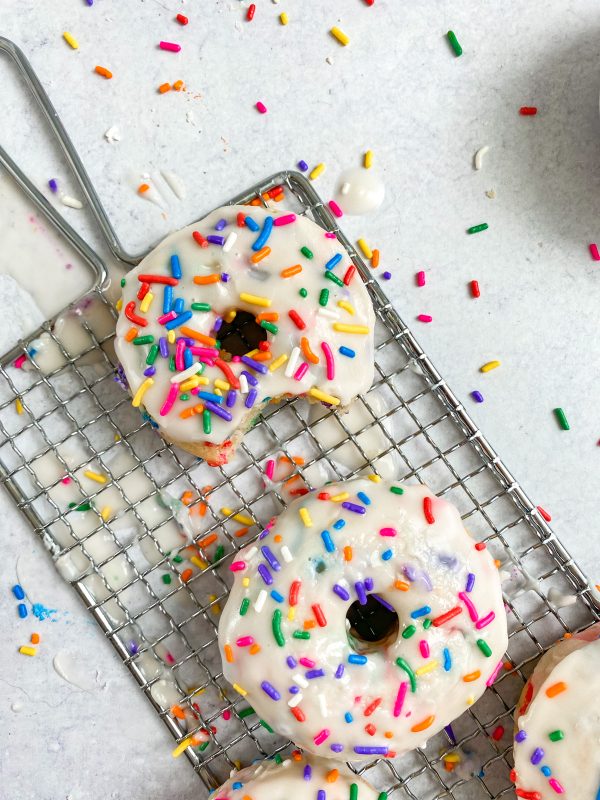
(73, 413)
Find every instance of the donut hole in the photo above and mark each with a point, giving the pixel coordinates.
(242, 334)
(372, 626)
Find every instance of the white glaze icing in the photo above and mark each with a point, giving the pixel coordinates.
(352, 374)
(359, 191)
(301, 780)
(573, 762)
(415, 567)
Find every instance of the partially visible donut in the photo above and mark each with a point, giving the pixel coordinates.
(557, 740)
(364, 620)
(297, 778)
(244, 308)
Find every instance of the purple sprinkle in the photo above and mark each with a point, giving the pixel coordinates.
(252, 379)
(251, 398)
(270, 557)
(450, 732)
(190, 342)
(369, 584)
(360, 593)
(410, 573)
(53, 185)
(134, 648)
(448, 561)
(521, 736)
(426, 580)
(537, 756)
(265, 574)
(270, 690)
(90, 2)
(216, 409)
(255, 365)
(386, 275)
(291, 662)
(264, 533)
(470, 582)
(294, 689)
(337, 748)
(370, 751)
(384, 603)
(231, 398)
(220, 240)
(149, 371)
(314, 673)
(307, 772)
(302, 165)
(477, 396)
(354, 507)
(321, 794)
(220, 224)
(217, 326)
(225, 277)
(341, 592)
(339, 671)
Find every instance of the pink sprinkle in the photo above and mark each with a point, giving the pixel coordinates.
(170, 401)
(166, 318)
(470, 607)
(170, 46)
(65, 480)
(556, 786)
(227, 712)
(387, 531)
(424, 648)
(20, 361)
(169, 658)
(330, 235)
(237, 566)
(286, 219)
(245, 641)
(307, 662)
(421, 278)
(301, 371)
(494, 674)
(261, 107)
(270, 469)
(595, 252)
(179, 355)
(330, 364)
(336, 210)
(425, 318)
(321, 736)
(481, 623)
(399, 702)
(206, 352)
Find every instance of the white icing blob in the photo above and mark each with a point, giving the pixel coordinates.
(359, 191)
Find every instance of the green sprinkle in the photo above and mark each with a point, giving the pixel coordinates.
(201, 307)
(353, 791)
(396, 490)
(408, 632)
(303, 292)
(203, 746)
(123, 282)
(411, 675)
(556, 736)
(427, 623)
(562, 419)
(277, 759)
(166, 579)
(266, 725)
(301, 634)
(246, 712)
(219, 553)
(333, 277)
(276, 625)
(382, 796)
(81, 507)
(268, 326)
(143, 339)
(484, 647)
(454, 43)
(244, 607)
(324, 297)
(185, 396)
(306, 252)
(172, 366)
(206, 423)
(152, 354)
(177, 559)
(478, 228)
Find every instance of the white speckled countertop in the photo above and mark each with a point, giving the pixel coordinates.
(397, 89)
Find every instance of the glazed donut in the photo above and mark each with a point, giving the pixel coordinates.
(249, 306)
(300, 777)
(364, 620)
(557, 740)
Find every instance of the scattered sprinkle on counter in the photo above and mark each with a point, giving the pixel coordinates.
(368, 159)
(528, 111)
(182, 19)
(425, 318)
(261, 107)
(544, 514)
(317, 171)
(477, 396)
(420, 278)
(340, 36)
(106, 73)
(283, 18)
(489, 366)
(26, 650)
(483, 226)
(562, 419)
(594, 252)
(251, 12)
(171, 47)
(475, 290)
(454, 43)
(71, 40)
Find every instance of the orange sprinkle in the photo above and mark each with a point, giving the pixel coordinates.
(388, 734)
(291, 480)
(279, 197)
(297, 756)
(201, 509)
(187, 413)
(507, 665)
(35, 638)
(254, 649)
(268, 316)
(277, 538)
(263, 356)
(262, 253)
(568, 636)
(556, 688)
(309, 623)
(241, 532)
(472, 676)
(333, 775)
(143, 187)
(421, 726)
(131, 334)
(295, 459)
(255, 202)
(203, 280)
(187, 497)
(402, 585)
(186, 575)
(106, 73)
(289, 271)
(375, 259)
(308, 353)
(228, 653)
(178, 711)
(178, 85)
(208, 540)
(164, 87)
(200, 337)
(347, 553)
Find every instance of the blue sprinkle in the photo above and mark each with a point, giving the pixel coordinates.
(348, 717)
(546, 771)
(386, 555)
(175, 266)
(339, 524)
(167, 299)
(364, 498)
(188, 358)
(214, 398)
(22, 608)
(447, 660)
(355, 658)
(18, 592)
(237, 785)
(420, 612)
(264, 234)
(347, 351)
(333, 261)
(180, 320)
(302, 165)
(276, 596)
(222, 223)
(328, 541)
(251, 224)
(178, 305)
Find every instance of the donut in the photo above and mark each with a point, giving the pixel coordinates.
(363, 620)
(312, 778)
(247, 307)
(557, 739)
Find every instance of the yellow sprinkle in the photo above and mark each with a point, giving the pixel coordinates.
(27, 651)
(219, 384)
(241, 518)
(292, 613)
(106, 512)
(119, 304)
(252, 353)
(283, 18)
(346, 306)
(71, 40)
(239, 690)
(452, 758)
(255, 300)
(305, 517)
(338, 498)
(368, 162)
(489, 366)
(219, 393)
(137, 397)
(340, 36)
(343, 328)
(429, 667)
(198, 562)
(278, 362)
(171, 337)
(324, 397)
(192, 382)
(19, 404)
(470, 701)
(230, 315)
(197, 692)
(375, 478)
(318, 170)
(146, 302)
(365, 249)
(245, 581)
(95, 476)
(181, 747)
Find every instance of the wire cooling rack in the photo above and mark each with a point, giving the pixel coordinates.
(153, 570)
